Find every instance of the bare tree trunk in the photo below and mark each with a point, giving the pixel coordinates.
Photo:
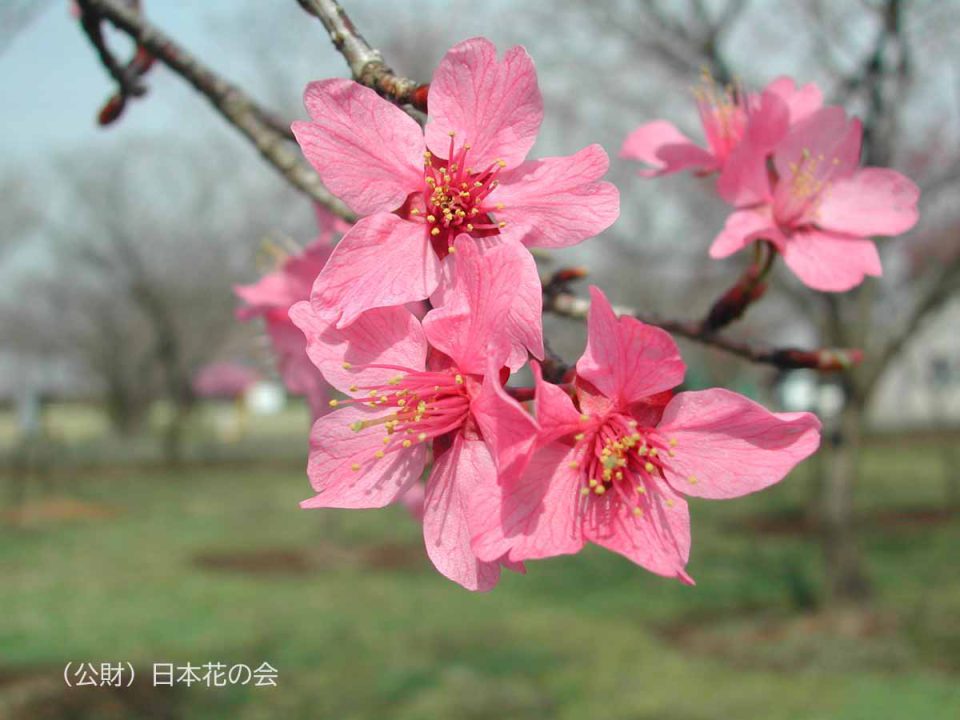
(846, 580)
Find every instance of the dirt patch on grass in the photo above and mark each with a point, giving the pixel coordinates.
(827, 640)
(57, 510)
(797, 523)
(41, 694)
(307, 561)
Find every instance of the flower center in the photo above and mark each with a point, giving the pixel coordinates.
(809, 177)
(417, 406)
(723, 113)
(455, 198)
(621, 463)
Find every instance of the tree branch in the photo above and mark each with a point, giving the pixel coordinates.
(235, 106)
(365, 62)
(566, 304)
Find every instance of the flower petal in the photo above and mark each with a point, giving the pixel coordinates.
(458, 474)
(493, 307)
(382, 262)
(666, 149)
(801, 102)
(367, 151)
(831, 263)
(658, 539)
(384, 336)
(742, 228)
(558, 201)
(625, 359)
(728, 446)
(533, 516)
(493, 106)
(872, 201)
(299, 374)
(335, 449)
(508, 429)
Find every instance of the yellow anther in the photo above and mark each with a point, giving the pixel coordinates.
(579, 436)
(669, 502)
(469, 227)
(386, 440)
(435, 232)
(459, 379)
(692, 480)
(501, 163)
(452, 133)
(671, 453)
(353, 388)
(333, 403)
(648, 467)
(499, 206)
(415, 211)
(584, 417)
(600, 489)
(431, 218)
(638, 511)
(356, 426)
(641, 489)
(673, 442)
(584, 491)
(451, 249)
(593, 482)
(379, 454)
(573, 465)
(502, 224)
(422, 436)
(406, 443)
(653, 452)
(355, 467)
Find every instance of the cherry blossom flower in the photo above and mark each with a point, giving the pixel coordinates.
(816, 205)
(728, 116)
(612, 460)
(272, 297)
(415, 387)
(464, 174)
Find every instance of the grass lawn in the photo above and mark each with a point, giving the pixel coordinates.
(217, 564)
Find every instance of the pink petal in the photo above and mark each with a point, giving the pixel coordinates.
(872, 201)
(493, 307)
(559, 201)
(801, 102)
(728, 446)
(507, 428)
(658, 540)
(299, 374)
(744, 179)
(412, 499)
(367, 151)
(534, 516)
(335, 449)
(458, 474)
(382, 262)
(283, 287)
(495, 107)
(384, 336)
(328, 224)
(625, 359)
(666, 149)
(831, 263)
(556, 413)
(742, 228)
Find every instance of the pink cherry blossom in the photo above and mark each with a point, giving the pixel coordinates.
(272, 297)
(465, 174)
(416, 386)
(728, 116)
(611, 460)
(816, 205)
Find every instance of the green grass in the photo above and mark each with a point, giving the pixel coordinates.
(589, 636)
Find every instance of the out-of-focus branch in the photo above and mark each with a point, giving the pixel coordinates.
(365, 62)
(234, 105)
(558, 300)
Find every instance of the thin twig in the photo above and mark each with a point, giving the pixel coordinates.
(365, 62)
(236, 107)
(566, 304)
